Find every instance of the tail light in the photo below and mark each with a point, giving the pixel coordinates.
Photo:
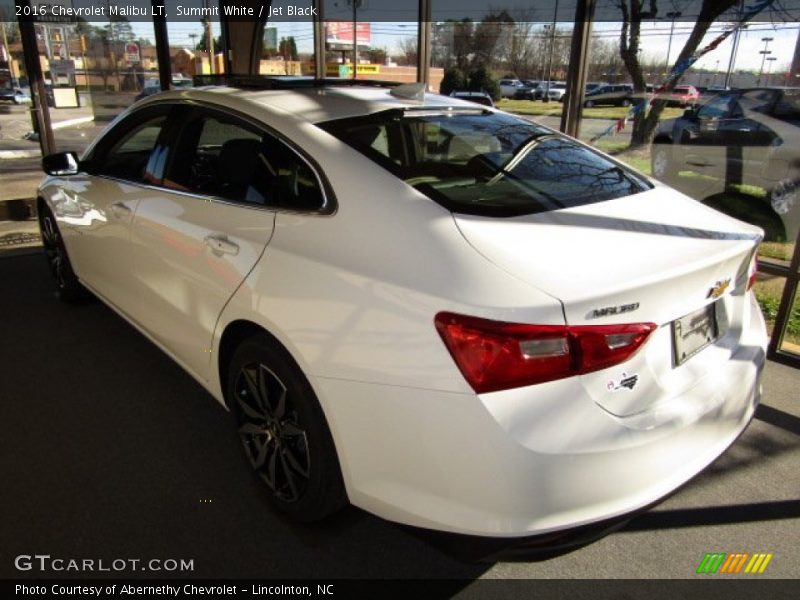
(753, 272)
(494, 355)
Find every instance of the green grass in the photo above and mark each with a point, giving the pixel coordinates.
(769, 300)
(539, 108)
(777, 250)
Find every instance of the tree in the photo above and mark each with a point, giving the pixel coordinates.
(377, 55)
(287, 48)
(633, 12)
(463, 32)
(202, 45)
(480, 80)
(489, 38)
(408, 51)
(453, 79)
(521, 56)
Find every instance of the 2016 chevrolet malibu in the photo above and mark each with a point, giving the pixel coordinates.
(447, 315)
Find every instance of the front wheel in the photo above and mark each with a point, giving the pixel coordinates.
(626, 102)
(283, 431)
(589, 103)
(68, 287)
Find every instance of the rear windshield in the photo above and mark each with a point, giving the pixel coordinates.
(485, 163)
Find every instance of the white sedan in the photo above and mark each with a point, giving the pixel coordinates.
(442, 313)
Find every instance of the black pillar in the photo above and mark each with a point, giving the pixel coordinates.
(162, 44)
(320, 66)
(243, 38)
(578, 68)
(30, 52)
(424, 42)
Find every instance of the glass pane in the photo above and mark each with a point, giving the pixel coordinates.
(288, 42)
(195, 44)
(385, 36)
(20, 157)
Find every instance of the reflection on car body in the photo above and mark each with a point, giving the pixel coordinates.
(747, 136)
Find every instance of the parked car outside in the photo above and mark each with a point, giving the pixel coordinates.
(747, 136)
(476, 97)
(618, 94)
(557, 92)
(592, 85)
(445, 314)
(509, 87)
(15, 96)
(527, 91)
(683, 95)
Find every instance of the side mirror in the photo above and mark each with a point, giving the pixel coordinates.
(61, 164)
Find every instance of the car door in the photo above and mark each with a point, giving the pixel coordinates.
(96, 207)
(196, 242)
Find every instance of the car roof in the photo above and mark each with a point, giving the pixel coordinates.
(313, 104)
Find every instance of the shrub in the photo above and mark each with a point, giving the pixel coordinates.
(453, 80)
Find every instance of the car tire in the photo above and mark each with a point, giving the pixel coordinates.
(283, 431)
(588, 104)
(68, 287)
(662, 166)
(626, 102)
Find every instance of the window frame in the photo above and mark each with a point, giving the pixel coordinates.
(176, 111)
(126, 124)
(193, 109)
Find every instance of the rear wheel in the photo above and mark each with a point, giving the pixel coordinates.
(283, 431)
(626, 102)
(589, 103)
(68, 287)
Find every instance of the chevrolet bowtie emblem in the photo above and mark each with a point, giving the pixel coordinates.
(719, 288)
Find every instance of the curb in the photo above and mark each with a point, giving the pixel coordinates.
(12, 154)
(71, 122)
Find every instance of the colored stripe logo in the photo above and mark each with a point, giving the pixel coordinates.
(732, 564)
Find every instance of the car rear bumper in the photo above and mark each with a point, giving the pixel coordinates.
(535, 460)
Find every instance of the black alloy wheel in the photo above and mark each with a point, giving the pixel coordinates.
(68, 287)
(283, 431)
(274, 441)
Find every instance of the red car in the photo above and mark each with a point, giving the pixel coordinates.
(683, 95)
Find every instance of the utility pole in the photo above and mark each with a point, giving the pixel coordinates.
(550, 58)
(209, 41)
(734, 48)
(764, 54)
(672, 15)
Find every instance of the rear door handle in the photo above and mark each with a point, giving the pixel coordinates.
(221, 245)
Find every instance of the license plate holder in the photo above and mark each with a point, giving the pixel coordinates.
(693, 332)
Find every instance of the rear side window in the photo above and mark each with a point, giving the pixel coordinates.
(486, 163)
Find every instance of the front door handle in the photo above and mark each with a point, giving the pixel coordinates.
(221, 245)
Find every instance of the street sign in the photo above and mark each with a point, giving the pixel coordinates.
(132, 52)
